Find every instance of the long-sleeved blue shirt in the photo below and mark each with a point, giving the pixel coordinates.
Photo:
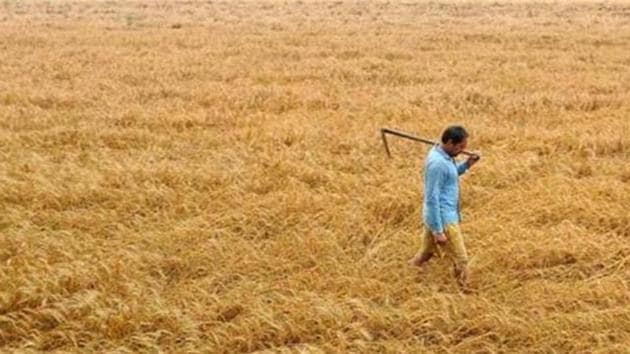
(441, 189)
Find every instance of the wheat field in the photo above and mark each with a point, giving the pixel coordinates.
(208, 176)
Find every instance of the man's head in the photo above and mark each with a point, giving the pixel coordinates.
(454, 140)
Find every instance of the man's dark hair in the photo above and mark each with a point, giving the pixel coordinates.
(455, 133)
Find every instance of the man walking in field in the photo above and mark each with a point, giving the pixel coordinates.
(441, 209)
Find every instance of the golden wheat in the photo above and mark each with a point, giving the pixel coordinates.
(208, 176)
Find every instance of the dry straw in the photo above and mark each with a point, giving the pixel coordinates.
(208, 176)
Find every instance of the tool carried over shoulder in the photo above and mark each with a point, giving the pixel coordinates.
(385, 131)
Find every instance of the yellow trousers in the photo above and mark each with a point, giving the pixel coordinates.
(454, 248)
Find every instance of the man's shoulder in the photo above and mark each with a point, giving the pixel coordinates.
(435, 162)
(435, 156)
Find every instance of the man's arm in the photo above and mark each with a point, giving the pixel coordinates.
(432, 187)
(462, 167)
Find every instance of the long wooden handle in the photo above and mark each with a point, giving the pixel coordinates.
(411, 137)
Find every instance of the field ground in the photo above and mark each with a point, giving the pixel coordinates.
(208, 176)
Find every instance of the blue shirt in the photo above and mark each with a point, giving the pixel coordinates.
(441, 189)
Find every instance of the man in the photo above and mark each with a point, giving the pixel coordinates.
(441, 212)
